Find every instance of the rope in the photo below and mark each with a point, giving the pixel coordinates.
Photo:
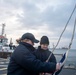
(70, 42)
(64, 59)
(61, 33)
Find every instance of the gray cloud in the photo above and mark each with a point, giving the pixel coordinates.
(51, 16)
(37, 13)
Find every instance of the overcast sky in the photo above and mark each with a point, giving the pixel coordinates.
(40, 17)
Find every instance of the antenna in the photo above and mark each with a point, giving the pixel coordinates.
(11, 41)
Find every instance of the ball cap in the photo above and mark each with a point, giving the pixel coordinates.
(29, 36)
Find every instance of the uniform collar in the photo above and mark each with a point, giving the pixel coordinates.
(39, 48)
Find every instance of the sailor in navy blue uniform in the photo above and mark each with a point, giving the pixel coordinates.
(43, 52)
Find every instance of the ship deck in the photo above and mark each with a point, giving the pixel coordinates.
(67, 70)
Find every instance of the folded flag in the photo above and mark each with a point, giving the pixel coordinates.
(61, 63)
(63, 59)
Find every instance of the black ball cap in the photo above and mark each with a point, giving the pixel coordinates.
(29, 36)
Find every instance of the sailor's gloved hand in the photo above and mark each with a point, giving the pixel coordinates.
(58, 66)
(57, 73)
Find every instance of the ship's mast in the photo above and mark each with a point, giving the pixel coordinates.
(3, 26)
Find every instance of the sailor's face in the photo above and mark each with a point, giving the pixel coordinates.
(30, 42)
(44, 46)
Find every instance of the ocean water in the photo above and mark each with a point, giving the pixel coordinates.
(71, 59)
